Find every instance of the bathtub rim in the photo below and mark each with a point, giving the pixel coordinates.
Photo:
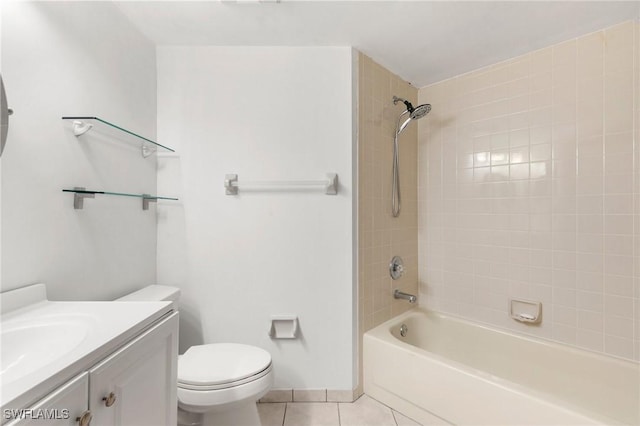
(387, 325)
(383, 333)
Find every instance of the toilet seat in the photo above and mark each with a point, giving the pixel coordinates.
(221, 366)
(218, 376)
(225, 385)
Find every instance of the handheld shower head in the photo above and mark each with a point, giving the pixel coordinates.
(420, 111)
(414, 113)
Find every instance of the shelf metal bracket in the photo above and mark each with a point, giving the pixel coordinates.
(229, 181)
(332, 184)
(146, 199)
(78, 197)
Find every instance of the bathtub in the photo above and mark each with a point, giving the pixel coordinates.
(450, 371)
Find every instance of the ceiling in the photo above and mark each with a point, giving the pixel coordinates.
(422, 41)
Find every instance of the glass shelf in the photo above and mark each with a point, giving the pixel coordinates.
(82, 125)
(81, 193)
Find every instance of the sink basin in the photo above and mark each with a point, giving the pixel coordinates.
(44, 344)
(31, 345)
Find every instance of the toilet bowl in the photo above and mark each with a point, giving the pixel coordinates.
(218, 383)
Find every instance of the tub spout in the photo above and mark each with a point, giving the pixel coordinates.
(397, 294)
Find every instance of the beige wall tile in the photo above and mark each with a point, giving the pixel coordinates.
(380, 235)
(529, 186)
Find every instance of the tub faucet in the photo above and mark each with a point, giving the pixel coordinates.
(397, 294)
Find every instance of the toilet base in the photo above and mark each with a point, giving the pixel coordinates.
(240, 415)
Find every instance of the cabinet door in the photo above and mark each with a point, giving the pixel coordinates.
(137, 385)
(60, 408)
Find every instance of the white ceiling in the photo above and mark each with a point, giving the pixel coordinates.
(422, 41)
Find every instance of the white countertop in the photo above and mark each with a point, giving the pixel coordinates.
(100, 327)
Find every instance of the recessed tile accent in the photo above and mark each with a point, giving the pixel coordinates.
(538, 188)
(309, 395)
(278, 395)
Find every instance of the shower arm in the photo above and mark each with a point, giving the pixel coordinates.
(404, 101)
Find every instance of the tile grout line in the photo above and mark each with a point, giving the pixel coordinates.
(284, 415)
(339, 418)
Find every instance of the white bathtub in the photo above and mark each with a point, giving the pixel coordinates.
(447, 370)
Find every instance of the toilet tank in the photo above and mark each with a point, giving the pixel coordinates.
(153, 293)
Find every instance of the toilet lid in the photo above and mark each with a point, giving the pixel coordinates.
(219, 363)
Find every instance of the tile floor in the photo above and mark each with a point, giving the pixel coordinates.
(365, 411)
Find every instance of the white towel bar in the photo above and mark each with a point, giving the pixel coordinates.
(330, 184)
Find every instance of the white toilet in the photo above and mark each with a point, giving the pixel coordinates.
(218, 383)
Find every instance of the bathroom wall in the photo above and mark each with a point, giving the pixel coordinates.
(0, 164)
(76, 58)
(380, 235)
(264, 113)
(528, 188)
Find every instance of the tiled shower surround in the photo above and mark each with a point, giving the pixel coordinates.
(529, 188)
(381, 236)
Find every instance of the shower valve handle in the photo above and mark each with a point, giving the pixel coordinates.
(396, 267)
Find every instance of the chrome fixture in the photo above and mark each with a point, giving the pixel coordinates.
(396, 267)
(329, 184)
(397, 294)
(414, 114)
(403, 330)
(5, 112)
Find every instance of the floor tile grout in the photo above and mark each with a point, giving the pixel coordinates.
(286, 411)
(284, 415)
(393, 413)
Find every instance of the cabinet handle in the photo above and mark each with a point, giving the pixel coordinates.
(85, 419)
(109, 400)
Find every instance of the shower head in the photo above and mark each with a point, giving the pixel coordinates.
(420, 111)
(414, 113)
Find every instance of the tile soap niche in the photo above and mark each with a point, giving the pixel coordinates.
(284, 327)
(525, 311)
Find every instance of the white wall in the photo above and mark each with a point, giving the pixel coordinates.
(76, 58)
(265, 113)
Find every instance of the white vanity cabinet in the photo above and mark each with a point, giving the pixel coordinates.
(136, 386)
(133, 386)
(60, 408)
